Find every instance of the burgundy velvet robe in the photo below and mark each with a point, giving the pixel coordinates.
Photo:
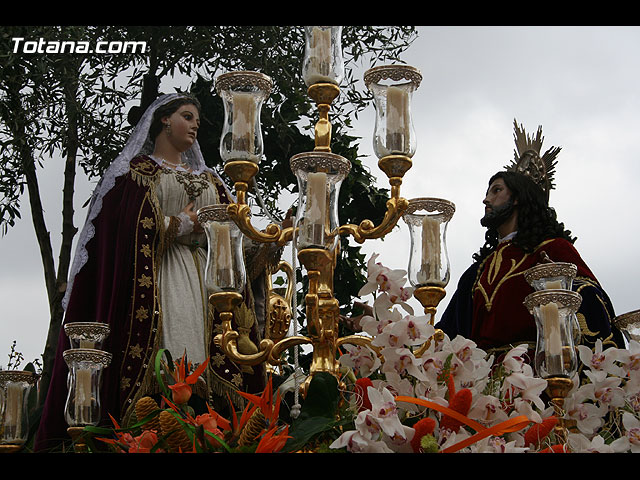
(118, 286)
(488, 308)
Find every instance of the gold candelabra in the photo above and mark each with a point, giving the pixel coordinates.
(316, 231)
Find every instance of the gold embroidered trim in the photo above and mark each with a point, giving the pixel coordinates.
(494, 268)
(144, 171)
(193, 184)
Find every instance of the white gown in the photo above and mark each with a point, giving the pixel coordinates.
(183, 298)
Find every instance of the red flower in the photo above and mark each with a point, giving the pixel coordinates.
(538, 431)
(210, 424)
(144, 442)
(458, 401)
(361, 392)
(269, 407)
(424, 426)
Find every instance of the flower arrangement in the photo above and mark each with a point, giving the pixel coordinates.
(175, 428)
(414, 390)
(454, 397)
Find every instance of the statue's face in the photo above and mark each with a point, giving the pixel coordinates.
(498, 195)
(498, 204)
(184, 127)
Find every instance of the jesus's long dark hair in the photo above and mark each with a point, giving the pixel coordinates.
(536, 220)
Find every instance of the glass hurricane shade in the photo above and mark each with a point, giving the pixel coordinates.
(243, 94)
(15, 386)
(319, 175)
(392, 87)
(428, 219)
(323, 61)
(555, 354)
(86, 365)
(225, 270)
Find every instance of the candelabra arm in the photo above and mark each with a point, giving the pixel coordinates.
(395, 167)
(359, 340)
(367, 230)
(242, 173)
(285, 344)
(224, 303)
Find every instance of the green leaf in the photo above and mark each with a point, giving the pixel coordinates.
(318, 413)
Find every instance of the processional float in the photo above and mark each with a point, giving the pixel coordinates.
(315, 236)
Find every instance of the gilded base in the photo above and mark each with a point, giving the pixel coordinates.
(241, 170)
(225, 301)
(323, 93)
(395, 166)
(76, 434)
(9, 448)
(429, 297)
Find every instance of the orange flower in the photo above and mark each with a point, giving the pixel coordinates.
(180, 393)
(538, 431)
(424, 426)
(264, 402)
(460, 402)
(271, 443)
(143, 443)
(361, 392)
(181, 389)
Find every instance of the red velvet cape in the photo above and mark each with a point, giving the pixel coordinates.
(488, 308)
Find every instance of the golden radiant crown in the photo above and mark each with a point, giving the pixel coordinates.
(528, 161)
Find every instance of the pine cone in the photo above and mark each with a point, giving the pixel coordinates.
(252, 429)
(178, 440)
(145, 406)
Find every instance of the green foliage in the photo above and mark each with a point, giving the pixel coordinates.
(317, 420)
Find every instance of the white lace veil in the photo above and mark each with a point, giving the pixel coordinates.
(139, 143)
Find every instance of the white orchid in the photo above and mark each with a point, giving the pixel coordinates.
(516, 361)
(579, 443)
(525, 387)
(402, 361)
(400, 443)
(497, 445)
(588, 416)
(487, 409)
(384, 411)
(606, 391)
(355, 442)
(601, 363)
(381, 278)
(630, 360)
(632, 431)
(361, 359)
(405, 331)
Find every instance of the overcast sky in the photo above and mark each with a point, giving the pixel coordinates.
(579, 83)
